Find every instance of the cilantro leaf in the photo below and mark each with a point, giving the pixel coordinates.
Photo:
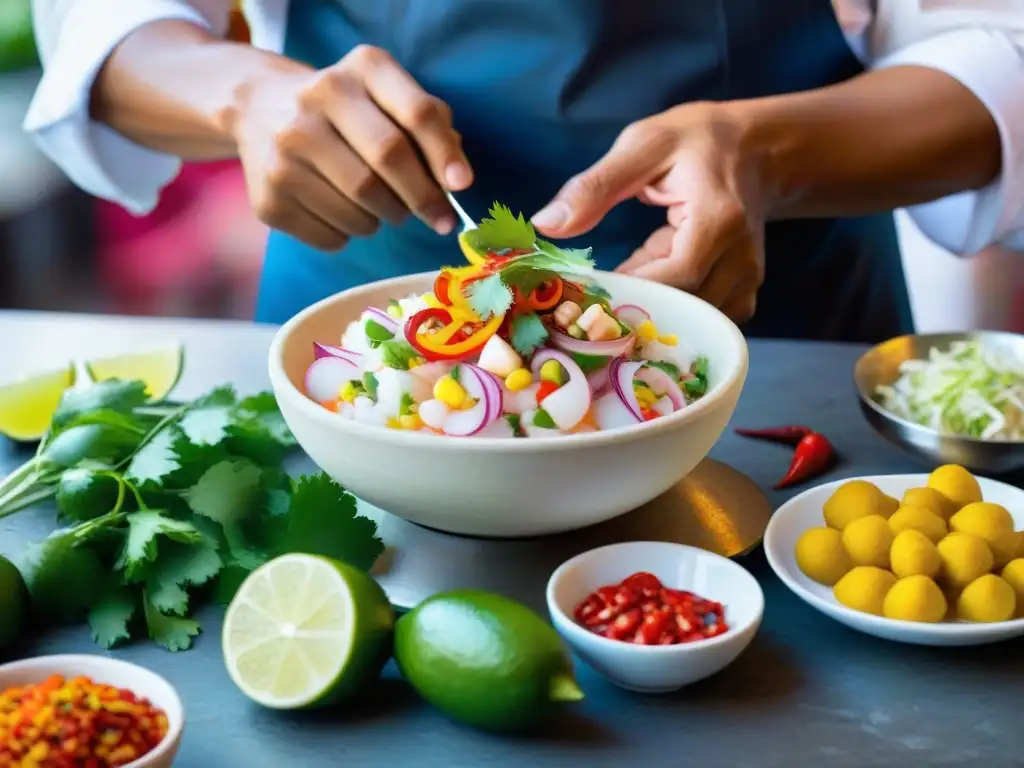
(228, 493)
(502, 229)
(110, 394)
(179, 566)
(397, 353)
(670, 368)
(140, 545)
(589, 363)
(489, 297)
(62, 576)
(207, 425)
(220, 396)
(526, 333)
(110, 614)
(229, 582)
(90, 442)
(154, 461)
(376, 333)
(322, 520)
(172, 632)
(263, 409)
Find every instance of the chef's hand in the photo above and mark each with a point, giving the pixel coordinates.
(329, 154)
(689, 161)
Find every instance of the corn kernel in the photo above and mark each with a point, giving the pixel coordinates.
(645, 397)
(349, 392)
(552, 371)
(410, 421)
(669, 339)
(518, 380)
(647, 331)
(449, 392)
(394, 423)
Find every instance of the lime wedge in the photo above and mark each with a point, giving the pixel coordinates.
(27, 406)
(159, 368)
(304, 631)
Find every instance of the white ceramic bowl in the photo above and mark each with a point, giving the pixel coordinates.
(103, 669)
(805, 511)
(657, 668)
(502, 487)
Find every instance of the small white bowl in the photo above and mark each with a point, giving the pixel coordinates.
(657, 668)
(805, 511)
(102, 669)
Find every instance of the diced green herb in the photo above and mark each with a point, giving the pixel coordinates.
(515, 421)
(698, 385)
(397, 353)
(406, 405)
(589, 363)
(543, 419)
(454, 374)
(527, 332)
(370, 385)
(376, 334)
(670, 368)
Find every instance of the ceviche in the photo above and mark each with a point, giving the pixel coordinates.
(521, 342)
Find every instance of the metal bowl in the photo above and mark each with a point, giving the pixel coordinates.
(880, 366)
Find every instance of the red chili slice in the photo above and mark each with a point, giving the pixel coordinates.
(641, 610)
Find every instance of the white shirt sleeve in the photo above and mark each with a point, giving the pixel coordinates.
(75, 38)
(981, 44)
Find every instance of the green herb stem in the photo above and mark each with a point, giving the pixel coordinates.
(25, 486)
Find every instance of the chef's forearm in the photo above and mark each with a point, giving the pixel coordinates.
(174, 87)
(887, 139)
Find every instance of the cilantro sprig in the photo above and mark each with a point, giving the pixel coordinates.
(167, 504)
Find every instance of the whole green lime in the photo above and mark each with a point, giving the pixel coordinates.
(484, 660)
(13, 604)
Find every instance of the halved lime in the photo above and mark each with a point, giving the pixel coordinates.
(305, 630)
(159, 368)
(27, 406)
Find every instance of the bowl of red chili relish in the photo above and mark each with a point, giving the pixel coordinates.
(654, 616)
(87, 710)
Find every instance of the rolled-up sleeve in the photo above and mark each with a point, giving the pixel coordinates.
(75, 38)
(980, 43)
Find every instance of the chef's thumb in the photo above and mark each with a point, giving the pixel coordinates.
(586, 198)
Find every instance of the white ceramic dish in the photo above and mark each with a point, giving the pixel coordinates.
(657, 668)
(103, 669)
(805, 511)
(504, 487)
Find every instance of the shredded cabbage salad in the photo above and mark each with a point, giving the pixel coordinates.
(969, 389)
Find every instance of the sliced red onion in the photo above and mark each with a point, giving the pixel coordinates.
(326, 376)
(383, 318)
(326, 350)
(599, 380)
(663, 406)
(621, 373)
(472, 420)
(613, 348)
(663, 384)
(568, 404)
(610, 412)
(631, 314)
(493, 387)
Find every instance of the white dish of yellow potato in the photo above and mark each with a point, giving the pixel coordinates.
(806, 511)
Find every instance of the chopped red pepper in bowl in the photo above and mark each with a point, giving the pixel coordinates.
(643, 611)
(654, 616)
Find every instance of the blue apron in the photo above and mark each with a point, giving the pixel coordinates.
(540, 89)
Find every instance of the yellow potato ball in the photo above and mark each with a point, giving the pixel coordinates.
(964, 557)
(820, 554)
(930, 499)
(915, 598)
(1013, 574)
(864, 589)
(914, 554)
(853, 500)
(919, 519)
(868, 540)
(987, 598)
(956, 484)
(993, 523)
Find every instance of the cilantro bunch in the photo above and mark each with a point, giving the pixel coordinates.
(165, 504)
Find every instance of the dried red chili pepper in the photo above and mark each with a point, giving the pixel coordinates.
(788, 435)
(813, 455)
(643, 611)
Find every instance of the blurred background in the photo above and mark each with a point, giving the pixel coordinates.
(199, 254)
